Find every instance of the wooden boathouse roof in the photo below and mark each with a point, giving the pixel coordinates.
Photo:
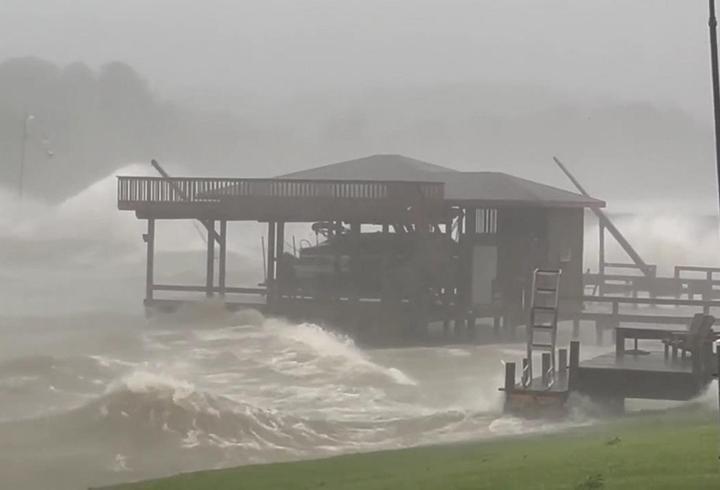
(380, 188)
(470, 188)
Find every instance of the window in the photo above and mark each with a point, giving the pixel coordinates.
(486, 221)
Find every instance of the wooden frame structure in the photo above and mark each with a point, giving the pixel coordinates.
(499, 228)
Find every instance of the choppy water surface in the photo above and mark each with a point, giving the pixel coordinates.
(148, 398)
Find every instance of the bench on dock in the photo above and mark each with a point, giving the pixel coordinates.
(698, 333)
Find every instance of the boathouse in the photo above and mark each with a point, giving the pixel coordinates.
(400, 241)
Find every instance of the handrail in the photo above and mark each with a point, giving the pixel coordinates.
(708, 271)
(209, 189)
(650, 301)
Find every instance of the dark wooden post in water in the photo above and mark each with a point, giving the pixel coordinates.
(509, 382)
(279, 251)
(270, 281)
(470, 237)
(545, 365)
(447, 294)
(149, 238)
(562, 361)
(355, 232)
(574, 364)
(222, 263)
(210, 265)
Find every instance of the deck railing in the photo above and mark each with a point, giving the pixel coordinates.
(208, 190)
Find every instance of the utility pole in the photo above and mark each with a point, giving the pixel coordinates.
(715, 85)
(716, 104)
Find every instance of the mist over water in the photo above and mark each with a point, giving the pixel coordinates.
(92, 392)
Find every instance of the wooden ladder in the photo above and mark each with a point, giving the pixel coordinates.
(543, 320)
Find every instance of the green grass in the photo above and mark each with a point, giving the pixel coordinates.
(671, 451)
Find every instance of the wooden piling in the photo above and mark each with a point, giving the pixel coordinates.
(279, 251)
(509, 382)
(562, 361)
(545, 366)
(280, 241)
(355, 266)
(574, 364)
(149, 238)
(210, 263)
(509, 376)
(270, 279)
(222, 262)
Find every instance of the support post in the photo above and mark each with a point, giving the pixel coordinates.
(149, 238)
(270, 281)
(601, 259)
(545, 365)
(210, 264)
(562, 361)
(222, 263)
(509, 376)
(509, 382)
(355, 232)
(279, 251)
(574, 365)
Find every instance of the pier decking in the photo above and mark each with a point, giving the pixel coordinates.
(612, 377)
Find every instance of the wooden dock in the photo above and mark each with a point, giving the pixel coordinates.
(609, 379)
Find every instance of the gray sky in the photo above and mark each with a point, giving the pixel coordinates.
(653, 50)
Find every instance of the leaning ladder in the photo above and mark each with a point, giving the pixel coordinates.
(543, 320)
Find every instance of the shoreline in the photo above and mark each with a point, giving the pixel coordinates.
(659, 450)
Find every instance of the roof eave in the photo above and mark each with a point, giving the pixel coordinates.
(519, 203)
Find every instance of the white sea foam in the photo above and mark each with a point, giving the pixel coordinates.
(326, 346)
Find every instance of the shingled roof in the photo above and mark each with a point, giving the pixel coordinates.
(375, 167)
(478, 188)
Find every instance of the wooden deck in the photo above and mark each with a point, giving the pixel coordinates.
(652, 361)
(609, 379)
(639, 376)
(284, 200)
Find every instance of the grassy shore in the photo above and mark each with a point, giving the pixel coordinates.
(677, 450)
